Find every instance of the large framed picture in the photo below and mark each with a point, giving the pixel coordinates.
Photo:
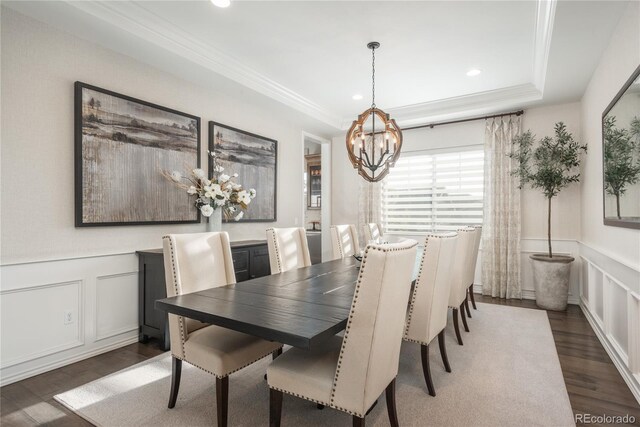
(255, 159)
(122, 145)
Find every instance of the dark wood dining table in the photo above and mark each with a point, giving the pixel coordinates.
(301, 307)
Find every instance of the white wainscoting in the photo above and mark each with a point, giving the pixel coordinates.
(99, 293)
(610, 299)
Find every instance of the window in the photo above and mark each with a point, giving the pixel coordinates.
(434, 192)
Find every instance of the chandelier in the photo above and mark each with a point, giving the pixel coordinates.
(374, 139)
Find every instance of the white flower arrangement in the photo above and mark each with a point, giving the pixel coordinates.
(217, 192)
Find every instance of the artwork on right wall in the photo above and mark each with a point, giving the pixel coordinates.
(255, 159)
(621, 156)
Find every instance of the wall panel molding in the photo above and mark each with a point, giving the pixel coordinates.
(116, 302)
(101, 293)
(11, 310)
(611, 303)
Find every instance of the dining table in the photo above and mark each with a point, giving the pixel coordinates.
(301, 307)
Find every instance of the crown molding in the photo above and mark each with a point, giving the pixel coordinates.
(545, 17)
(454, 107)
(135, 19)
(140, 22)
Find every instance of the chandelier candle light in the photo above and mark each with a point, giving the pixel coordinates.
(374, 139)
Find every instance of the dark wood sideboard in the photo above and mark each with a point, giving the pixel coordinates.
(250, 260)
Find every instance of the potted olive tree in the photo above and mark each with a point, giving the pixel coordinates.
(550, 166)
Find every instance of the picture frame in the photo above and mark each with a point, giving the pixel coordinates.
(122, 146)
(609, 216)
(255, 159)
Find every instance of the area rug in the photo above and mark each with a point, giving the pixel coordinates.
(506, 374)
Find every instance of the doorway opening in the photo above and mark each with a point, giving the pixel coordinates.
(316, 196)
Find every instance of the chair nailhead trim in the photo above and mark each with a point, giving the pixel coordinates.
(276, 247)
(175, 286)
(230, 372)
(301, 396)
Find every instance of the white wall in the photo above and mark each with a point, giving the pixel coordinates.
(610, 292)
(50, 267)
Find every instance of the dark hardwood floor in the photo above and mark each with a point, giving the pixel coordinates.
(594, 385)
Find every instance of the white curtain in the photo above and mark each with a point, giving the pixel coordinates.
(369, 205)
(501, 227)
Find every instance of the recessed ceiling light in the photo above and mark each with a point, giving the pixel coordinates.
(473, 72)
(221, 3)
(357, 97)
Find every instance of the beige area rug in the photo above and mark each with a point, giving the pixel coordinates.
(506, 374)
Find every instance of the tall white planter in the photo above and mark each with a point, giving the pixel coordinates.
(551, 280)
(214, 222)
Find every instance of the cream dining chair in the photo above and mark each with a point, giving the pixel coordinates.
(459, 285)
(288, 249)
(194, 262)
(472, 265)
(350, 373)
(344, 240)
(372, 231)
(427, 315)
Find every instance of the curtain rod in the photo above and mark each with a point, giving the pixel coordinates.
(494, 116)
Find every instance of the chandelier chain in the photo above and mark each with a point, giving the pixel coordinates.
(373, 78)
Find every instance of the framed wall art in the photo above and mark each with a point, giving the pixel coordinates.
(122, 145)
(255, 159)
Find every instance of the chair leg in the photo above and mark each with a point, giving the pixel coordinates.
(443, 351)
(424, 351)
(464, 318)
(456, 327)
(222, 400)
(391, 403)
(466, 307)
(275, 407)
(357, 421)
(176, 371)
(473, 298)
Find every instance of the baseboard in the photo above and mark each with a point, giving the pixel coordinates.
(23, 374)
(628, 377)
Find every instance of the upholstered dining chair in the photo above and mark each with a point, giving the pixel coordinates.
(194, 262)
(288, 249)
(344, 240)
(427, 315)
(350, 373)
(372, 231)
(472, 265)
(459, 285)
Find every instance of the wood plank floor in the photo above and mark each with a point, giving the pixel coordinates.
(594, 385)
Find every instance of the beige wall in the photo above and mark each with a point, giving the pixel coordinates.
(620, 59)
(39, 67)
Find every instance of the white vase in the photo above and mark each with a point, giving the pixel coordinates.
(214, 222)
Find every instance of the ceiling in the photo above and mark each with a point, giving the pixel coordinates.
(312, 55)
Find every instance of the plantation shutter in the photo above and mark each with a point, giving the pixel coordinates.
(434, 192)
